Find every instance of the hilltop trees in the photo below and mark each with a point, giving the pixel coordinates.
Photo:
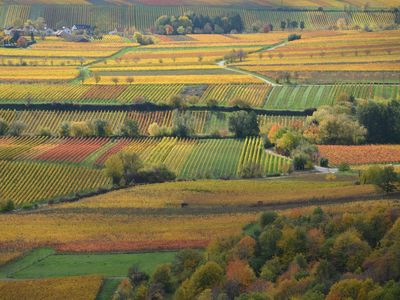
(193, 23)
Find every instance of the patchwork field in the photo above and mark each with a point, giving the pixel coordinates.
(226, 95)
(321, 59)
(49, 168)
(105, 223)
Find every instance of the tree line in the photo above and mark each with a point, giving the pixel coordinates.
(194, 23)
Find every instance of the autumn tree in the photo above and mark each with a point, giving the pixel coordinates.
(240, 272)
(130, 128)
(349, 251)
(113, 168)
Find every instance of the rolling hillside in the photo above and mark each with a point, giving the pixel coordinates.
(142, 17)
(241, 3)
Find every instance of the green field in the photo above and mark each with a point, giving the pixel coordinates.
(44, 263)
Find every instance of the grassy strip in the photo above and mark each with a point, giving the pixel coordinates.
(26, 261)
(109, 265)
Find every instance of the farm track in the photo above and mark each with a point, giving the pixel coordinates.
(222, 63)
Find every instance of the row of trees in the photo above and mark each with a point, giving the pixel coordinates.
(193, 23)
(311, 256)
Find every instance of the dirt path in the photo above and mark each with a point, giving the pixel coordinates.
(222, 63)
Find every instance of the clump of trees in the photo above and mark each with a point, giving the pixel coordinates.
(143, 39)
(382, 121)
(317, 255)
(336, 124)
(98, 127)
(15, 128)
(126, 168)
(194, 23)
(235, 55)
(244, 124)
(384, 178)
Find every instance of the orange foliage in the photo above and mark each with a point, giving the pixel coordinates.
(240, 272)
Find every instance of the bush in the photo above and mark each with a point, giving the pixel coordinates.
(3, 127)
(8, 206)
(267, 143)
(344, 167)
(238, 102)
(177, 101)
(294, 37)
(80, 129)
(17, 128)
(156, 174)
(130, 128)
(44, 131)
(101, 128)
(324, 162)
(250, 170)
(65, 129)
(212, 103)
(300, 161)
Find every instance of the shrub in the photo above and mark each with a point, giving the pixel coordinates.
(324, 162)
(267, 143)
(65, 129)
(212, 103)
(250, 170)
(238, 102)
(3, 127)
(130, 128)
(101, 128)
(156, 174)
(44, 131)
(16, 128)
(344, 167)
(8, 206)
(80, 129)
(294, 37)
(300, 161)
(177, 101)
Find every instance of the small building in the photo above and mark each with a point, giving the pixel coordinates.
(82, 27)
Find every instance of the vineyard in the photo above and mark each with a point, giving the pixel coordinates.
(45, 168)
(312, 96)
(143, 16)
(79, 288)
(202, 122)
(359, 155)
(28, 182)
